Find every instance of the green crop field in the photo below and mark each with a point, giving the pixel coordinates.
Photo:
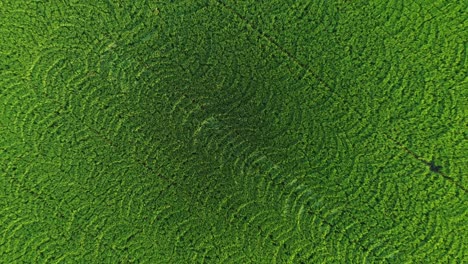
(233, 131)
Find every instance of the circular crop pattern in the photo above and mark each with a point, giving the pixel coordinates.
(221, 131)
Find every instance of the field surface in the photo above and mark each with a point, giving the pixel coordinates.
(222, 131)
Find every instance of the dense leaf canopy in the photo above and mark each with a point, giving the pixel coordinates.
(222, 131)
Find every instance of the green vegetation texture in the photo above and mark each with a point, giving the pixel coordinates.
(222, 131)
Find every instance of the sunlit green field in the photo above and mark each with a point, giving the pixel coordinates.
(222, 131)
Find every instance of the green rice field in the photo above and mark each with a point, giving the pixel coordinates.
(233, 131)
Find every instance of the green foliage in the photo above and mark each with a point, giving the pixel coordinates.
(219, 131)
